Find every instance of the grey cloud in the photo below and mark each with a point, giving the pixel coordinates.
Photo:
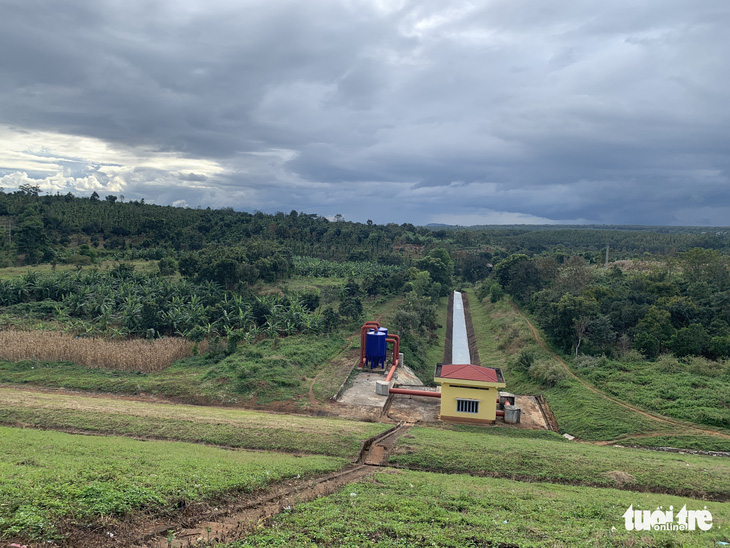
(571, 110)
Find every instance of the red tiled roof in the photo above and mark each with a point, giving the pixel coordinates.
(468, 372)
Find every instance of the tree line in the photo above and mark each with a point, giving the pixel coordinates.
(681, 305)
(81, 230)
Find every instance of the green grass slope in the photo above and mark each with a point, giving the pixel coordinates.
(46, 477)
(477, 451)
(424, 509)
(211, 425)
(502, 335)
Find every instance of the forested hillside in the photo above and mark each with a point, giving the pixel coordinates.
(680, 304)
(670, 292)
(68, 229)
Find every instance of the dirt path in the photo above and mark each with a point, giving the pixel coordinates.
(231, 523)
(234, 521)
(205, 524)
(377, 450)
(652, 416)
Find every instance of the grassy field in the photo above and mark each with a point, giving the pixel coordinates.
(425, 509)
(46, 477)
(474, 451)
(696, 443)
(257, 374)
(211, 425)
(304, 284)
(275, 370)
(14, 271)
(502, 335)
(265, 372)
(695, 389)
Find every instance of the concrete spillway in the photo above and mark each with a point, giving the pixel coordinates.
(459, 339)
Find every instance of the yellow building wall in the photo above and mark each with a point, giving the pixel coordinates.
(487, 402)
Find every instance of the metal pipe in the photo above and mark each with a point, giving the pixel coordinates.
(389, 376)
(395, 339)
(500, 413)
(396, 346)
(415, 392)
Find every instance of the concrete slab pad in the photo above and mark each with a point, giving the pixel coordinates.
(362, 391)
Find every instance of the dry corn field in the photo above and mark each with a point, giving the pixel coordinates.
(131, 355)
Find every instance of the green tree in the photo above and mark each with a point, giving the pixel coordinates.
(475, 267)
(420, 281)
(32, 191)
(700, 263)
(569, 321)
(439, 265)
(690, 341)
(653, 332)
(30, 237)
(719, 347)
(351, 308)
(519, 276)
(647, 344)
(683, 310)
(167, 266)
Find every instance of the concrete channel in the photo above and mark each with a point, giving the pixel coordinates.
(459, 336)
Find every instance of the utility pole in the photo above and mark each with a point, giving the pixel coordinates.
(606, 255)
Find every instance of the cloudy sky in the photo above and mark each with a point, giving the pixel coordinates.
(424, 111)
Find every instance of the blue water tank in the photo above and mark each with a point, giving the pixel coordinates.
(382, 344)
(371, 342)
(375, 348)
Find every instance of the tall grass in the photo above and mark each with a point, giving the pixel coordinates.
(125, 355)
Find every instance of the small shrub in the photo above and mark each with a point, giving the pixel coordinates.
(547, 372)
(496, 293)
(525, 360)
(584, 361)
(632, 356)
(702, 366)
(669, 364)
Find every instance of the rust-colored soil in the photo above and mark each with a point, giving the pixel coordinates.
(376, 452)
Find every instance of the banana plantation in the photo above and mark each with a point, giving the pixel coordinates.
(122, 303)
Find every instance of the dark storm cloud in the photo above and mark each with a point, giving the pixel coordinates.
(496, 111)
